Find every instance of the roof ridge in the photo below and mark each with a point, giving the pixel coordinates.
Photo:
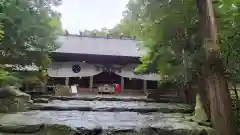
(99, 46)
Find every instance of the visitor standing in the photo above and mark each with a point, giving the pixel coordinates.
(117, 88)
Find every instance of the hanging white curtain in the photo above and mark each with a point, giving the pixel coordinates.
(64, 69)
(128, 72)
(151, 77)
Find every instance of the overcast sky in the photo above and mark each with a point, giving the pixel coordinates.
(91, 14)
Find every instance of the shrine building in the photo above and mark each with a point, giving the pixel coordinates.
(89, 62)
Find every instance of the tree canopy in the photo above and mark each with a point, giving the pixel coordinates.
(29, 29)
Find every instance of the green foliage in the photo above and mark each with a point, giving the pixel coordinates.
(167, 84)
(30, 30)
(229, 26)
(236, 110)
(7, 78)
(169, 31)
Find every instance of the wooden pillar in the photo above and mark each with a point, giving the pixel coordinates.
(145, 86)
(67, 81)
(122, 84)
(91, 84)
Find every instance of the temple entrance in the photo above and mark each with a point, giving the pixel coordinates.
(104, 82)
(105, 78)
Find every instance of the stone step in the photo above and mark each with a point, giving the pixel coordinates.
(168, 95)
(98, 123)
(114, 106)
(163, 92)
(111, 109)
(169, 90)
(110, 98)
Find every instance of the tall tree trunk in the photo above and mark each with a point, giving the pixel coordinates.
(213, 70)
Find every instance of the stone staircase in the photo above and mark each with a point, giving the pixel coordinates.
(102, 115)
(170, 95)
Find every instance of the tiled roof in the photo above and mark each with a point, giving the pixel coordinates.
(99, 46)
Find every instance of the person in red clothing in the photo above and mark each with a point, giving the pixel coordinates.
(117, 88)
